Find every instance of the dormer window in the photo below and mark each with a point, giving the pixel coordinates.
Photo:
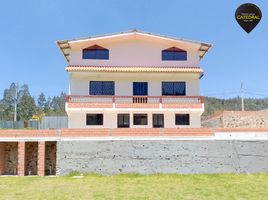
(96, 52)
(174, 53)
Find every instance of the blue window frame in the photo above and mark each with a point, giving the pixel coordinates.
(174, 54)
(101, 87)
(96, 52)
(140, 88)
(174, 88)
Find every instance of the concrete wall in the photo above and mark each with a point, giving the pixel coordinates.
(77, 119)
(162, 156)
(79, 82)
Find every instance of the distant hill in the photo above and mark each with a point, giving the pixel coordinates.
(215, 105)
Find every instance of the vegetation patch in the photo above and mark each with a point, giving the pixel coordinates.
(134, 186)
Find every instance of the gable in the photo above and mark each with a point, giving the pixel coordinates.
(66, 45)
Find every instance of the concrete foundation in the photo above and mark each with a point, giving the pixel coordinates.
(162, 156)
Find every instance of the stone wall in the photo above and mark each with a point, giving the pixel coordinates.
(162, 156)
(50, 158)
(245, 121)
(237, 119)
(31, 153)
(11, 158)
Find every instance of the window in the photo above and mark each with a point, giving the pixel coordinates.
(101, 87)
(123, 120)
(140, 119)
(182, 119)
(158, 120)
(173, 88)
(94, 119)
(174, 54)
(96, 52)
(140, 88)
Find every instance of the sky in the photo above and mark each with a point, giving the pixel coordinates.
(29, 31)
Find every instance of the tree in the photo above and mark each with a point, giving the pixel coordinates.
(47, 105)
(41, 102)
(58, 104)
(8, 102)
(26, 107)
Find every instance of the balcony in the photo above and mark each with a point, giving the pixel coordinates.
(143, 102)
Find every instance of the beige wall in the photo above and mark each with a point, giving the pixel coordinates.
(141, 51)
(78, 119)
(79, 82)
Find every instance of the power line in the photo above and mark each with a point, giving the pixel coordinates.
(258, 94)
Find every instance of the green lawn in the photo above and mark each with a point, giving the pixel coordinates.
(226, 186)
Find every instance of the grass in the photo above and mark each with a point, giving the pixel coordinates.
(133, 186)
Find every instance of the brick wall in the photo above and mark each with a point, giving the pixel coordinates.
(41, 159)
(2, 158)
(21, 158)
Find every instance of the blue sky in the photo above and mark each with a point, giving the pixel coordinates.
(30, 29)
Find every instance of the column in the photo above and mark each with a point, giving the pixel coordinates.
(41, 159)
(21, 158)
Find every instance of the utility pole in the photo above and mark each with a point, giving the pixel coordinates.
(16, 102)
(242, 96)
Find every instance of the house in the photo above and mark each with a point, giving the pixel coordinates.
(124, 88)
(134, 79)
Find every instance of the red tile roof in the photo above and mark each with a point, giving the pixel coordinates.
(134, 69)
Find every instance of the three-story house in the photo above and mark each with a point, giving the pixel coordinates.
(134, 79)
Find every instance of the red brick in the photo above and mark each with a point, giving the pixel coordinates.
(2, 157)
(21, 158)
(41, 159)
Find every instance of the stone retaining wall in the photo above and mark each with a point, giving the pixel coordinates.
(162, 156)
(11, 158)
(31, 151)
(50, 158)
(237, 119)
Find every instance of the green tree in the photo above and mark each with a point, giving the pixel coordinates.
(41, 102)
(58, 104)
(8, 102)
(26, 107)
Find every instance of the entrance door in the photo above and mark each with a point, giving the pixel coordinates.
(140, 89)
(158, 120)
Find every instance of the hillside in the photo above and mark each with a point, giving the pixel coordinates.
(214, 105)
